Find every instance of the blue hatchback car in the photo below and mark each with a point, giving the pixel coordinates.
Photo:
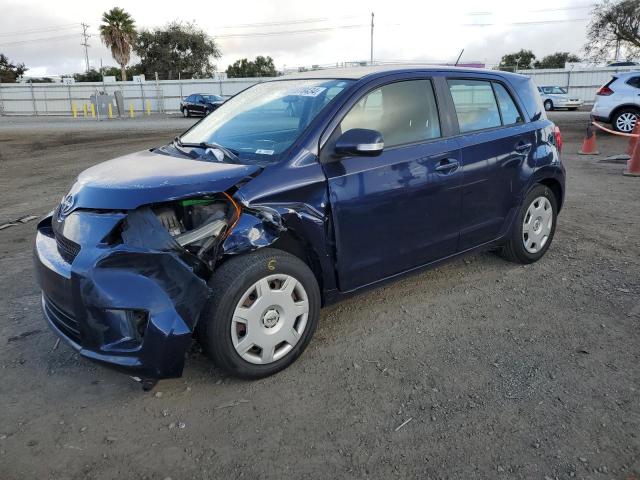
(294, 194)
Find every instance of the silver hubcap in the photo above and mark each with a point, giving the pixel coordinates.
(537, 224)
(270, 319)
(626, 122)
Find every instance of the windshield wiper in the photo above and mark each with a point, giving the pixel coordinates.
(229, 153)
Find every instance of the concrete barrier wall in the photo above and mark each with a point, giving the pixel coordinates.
(163, 96)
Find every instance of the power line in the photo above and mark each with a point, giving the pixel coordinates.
(284, 22)
(287, 32)
(45, 39)
(40, 30)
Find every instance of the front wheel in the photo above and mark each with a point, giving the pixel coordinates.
(263, 314)
(548, 105)
(185, 112)
(534, 228)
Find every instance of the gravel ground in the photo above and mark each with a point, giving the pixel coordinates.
(478, 369)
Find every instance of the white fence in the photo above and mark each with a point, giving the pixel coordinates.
(165, 95)
(162, 96)
(581, 82)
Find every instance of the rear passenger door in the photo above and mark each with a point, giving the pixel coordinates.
(496, 144)
(399, 210)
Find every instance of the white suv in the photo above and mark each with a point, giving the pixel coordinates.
(618, 102)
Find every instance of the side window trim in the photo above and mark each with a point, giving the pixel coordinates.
(513, 100)
(363, 95)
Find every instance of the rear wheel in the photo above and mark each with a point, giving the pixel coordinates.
(264, 312)
(548, 105)
(624, 120)
(535, 226)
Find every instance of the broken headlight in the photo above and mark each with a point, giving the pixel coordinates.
(197, 224)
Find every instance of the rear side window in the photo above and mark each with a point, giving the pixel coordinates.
(510, 113)
(475, 105)
(634, 82)
(404, 112)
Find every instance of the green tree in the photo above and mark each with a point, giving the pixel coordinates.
(9, 72)
(260, 67)
(91, 76)
(614, 26)
(115, 71)
(178, 50)
(556, 60)
(521, 60)
(118, 32)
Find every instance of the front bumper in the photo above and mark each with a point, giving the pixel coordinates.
(129, 308)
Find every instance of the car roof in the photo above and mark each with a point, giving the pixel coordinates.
(357, 73)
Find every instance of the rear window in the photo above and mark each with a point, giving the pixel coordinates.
(508, 109)
(475, 105)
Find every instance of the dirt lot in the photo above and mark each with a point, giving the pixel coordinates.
(504, 371)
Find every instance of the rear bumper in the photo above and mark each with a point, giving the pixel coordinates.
(125, 308)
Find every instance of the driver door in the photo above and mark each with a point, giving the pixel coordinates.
(399, 210)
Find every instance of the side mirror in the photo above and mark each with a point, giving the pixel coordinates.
(360, 141)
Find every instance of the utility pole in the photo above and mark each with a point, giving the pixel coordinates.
(371, 58)
(85, 43)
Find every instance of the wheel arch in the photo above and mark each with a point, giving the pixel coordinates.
(295, 245)
(556, 187)
(624, 106)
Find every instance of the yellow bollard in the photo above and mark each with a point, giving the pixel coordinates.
(148, 107)
(131, 112)
(110, 111)
(74, 110)
(93, 110)
(84, 109)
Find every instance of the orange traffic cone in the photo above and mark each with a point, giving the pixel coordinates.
(633, 165)
(589, 143)
(633, 140)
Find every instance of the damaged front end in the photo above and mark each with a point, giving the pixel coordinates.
(126, 288)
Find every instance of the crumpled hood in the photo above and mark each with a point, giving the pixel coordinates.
(146, 177)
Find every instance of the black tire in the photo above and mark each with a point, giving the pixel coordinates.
(229, 283)
(620, 113)
(514, 250)
(548, 105)
(572, 109)
(185, 112)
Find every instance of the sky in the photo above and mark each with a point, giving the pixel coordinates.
(46, 35)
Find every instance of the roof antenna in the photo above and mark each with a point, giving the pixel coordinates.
(459, 57)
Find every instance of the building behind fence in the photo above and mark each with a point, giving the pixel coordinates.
(164, 96)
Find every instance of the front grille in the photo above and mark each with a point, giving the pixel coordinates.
(68, 249)
(64, 321)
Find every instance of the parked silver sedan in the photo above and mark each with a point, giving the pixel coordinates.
(558, 97)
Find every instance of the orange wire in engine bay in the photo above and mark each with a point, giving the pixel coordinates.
(238, 211)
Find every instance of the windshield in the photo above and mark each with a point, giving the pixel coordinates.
(266, 119)
(554, 90)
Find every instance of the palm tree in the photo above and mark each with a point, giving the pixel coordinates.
(118, 32)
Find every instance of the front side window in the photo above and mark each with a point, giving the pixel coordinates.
(266, 119)
(510, 113)
(475, 105)
(403, 112)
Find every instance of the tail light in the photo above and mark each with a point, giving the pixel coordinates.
(604, 91)
(558, 137)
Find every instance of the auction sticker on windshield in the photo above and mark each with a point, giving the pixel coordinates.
(264, 152)
(306, 91)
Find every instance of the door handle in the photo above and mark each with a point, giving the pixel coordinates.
(447, 165)
(523, 147)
